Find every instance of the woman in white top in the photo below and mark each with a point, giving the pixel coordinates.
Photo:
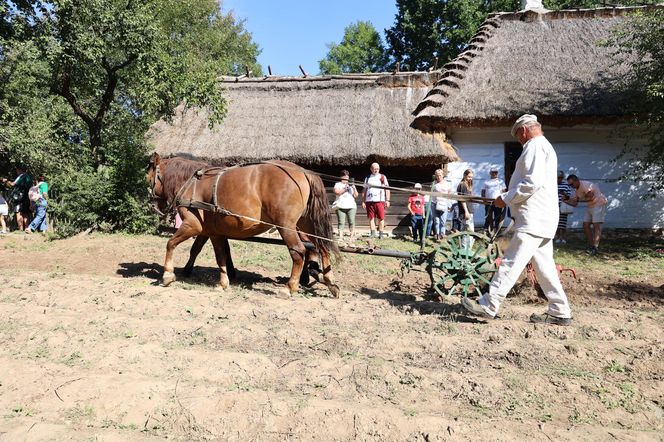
(345, 204)
(441, 205)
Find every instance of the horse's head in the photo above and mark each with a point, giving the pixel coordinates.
(154, 178)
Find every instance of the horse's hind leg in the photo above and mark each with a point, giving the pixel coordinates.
(297, 253)
(196, 248)
(232, 274)
(220, 245)
(328, 279)
(323, 275)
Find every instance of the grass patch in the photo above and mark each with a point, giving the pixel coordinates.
(80, 414)
(637, 255)
(572, 372)
(615, 367)
(579, 418)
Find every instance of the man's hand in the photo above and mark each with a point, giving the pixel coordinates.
(387, 204)
(498, 202)
(467, 215)
(364, 205)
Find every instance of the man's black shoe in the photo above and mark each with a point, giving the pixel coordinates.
(549, 319)
(474, 308)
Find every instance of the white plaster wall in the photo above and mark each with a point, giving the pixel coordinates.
(587, 151)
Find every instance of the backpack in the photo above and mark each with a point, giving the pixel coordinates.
(33, 194)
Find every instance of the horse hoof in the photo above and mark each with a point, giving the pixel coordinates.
(167, 279)
(336, 291)
(283, 293)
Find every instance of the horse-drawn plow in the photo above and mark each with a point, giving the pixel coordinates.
(461, 264)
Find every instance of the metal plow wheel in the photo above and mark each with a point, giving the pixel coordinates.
(463, 264)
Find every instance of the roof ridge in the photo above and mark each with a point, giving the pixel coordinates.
(545, 14)
(454, 70)
(360, 76)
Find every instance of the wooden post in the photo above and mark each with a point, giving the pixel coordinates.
(246, 70)
(269, 69)
(302, 70)
(396, 67)
(435, 63)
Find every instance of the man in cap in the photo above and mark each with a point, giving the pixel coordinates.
(492, 188)
(533, 199)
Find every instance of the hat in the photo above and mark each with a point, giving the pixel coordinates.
(522, 120)
(493, 169)
(418, 186)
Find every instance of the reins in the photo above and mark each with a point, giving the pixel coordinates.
(214, 207)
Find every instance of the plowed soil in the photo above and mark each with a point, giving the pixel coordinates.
(92, 349)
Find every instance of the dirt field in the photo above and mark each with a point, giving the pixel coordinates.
(92, 349)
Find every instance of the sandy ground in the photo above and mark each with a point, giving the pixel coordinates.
(92, 349)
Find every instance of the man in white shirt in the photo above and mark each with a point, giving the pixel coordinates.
(533, 200)
(492, 188)
(376, 200)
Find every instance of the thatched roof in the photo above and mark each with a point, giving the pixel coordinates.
(344, 120)
(550, 64)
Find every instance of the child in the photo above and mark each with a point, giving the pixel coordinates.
(416, 209)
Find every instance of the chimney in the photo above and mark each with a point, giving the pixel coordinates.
(527, 5)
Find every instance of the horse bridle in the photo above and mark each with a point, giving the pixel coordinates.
(151, 190)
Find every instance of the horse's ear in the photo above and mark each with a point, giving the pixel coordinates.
(155, 159)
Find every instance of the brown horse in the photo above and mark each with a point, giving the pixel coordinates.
(249, 200)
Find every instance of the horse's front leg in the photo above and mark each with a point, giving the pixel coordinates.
(196, 248)
(189, 228)
(220, 244)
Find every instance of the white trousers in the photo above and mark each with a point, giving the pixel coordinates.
(522, 248)
(468, 225)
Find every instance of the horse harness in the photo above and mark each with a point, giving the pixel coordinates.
(195, 204)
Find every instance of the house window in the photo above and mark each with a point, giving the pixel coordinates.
(512, 153)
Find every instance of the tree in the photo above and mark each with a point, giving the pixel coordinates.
(82, 82)
(640, 43)
(360, 50)
(424, 30)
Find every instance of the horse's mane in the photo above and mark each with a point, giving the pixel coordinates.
(175, 172)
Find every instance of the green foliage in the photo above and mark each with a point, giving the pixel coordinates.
(426, 29)
(361, 50)
(640, 44)
(83, 81)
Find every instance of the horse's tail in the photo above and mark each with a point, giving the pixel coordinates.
(317, 213)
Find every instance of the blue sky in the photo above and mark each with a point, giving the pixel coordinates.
(293, 32)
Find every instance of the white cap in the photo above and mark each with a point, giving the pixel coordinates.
(523, 119)
(418, 186)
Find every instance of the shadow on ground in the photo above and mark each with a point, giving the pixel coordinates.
(203, 276)
(408, 304)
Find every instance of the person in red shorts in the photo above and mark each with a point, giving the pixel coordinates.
(375, 200)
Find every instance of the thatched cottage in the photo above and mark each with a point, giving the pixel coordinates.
(553, 65)
(324, 123)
